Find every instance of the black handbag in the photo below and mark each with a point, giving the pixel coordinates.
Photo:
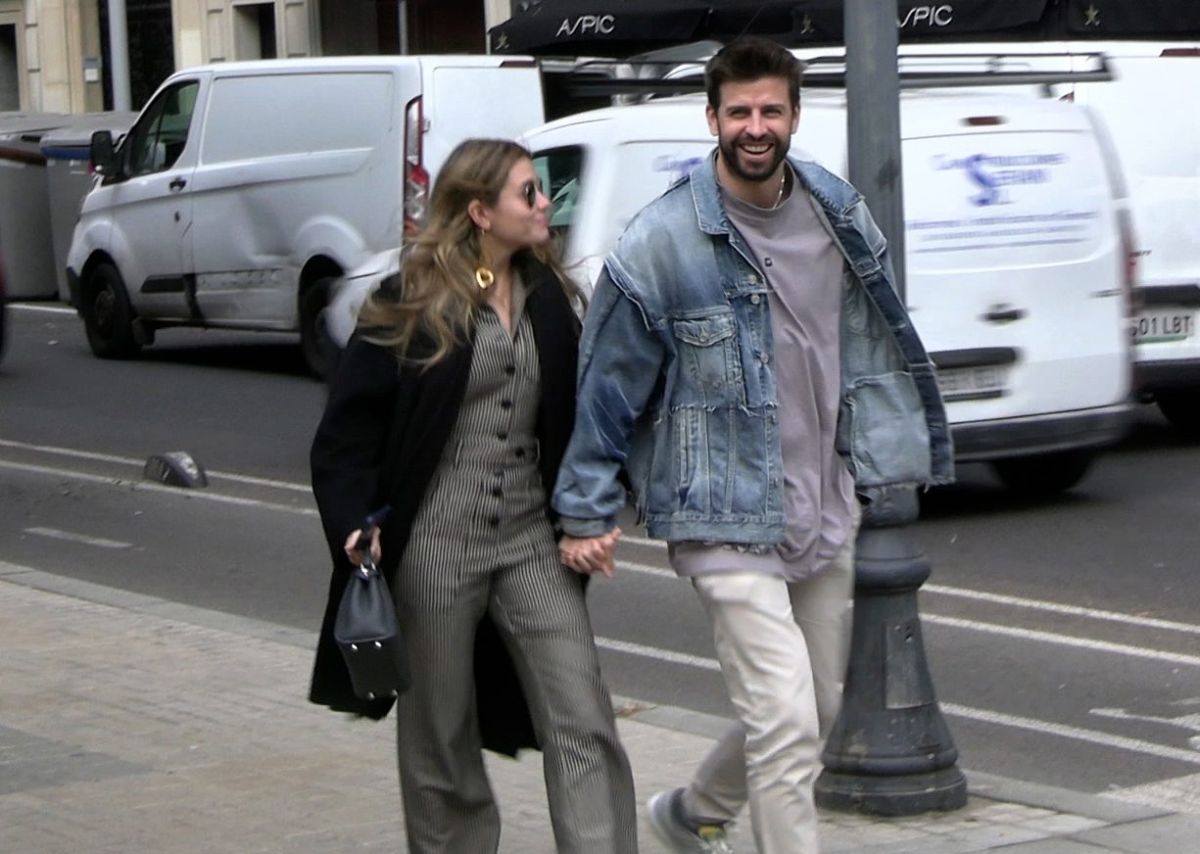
(368, 635)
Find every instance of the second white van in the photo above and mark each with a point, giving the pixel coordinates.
(1017, 253)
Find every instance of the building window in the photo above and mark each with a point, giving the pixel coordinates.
(254, 31)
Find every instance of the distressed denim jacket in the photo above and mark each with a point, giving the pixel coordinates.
(677, 386)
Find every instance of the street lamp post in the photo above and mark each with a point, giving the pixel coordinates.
(118, 55)
(889, 751)
(402, 14)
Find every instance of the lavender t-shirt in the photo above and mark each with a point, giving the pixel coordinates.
(803, 268)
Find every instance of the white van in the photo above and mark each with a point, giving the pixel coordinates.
(245, 190)
(1018, 280)
(1156, 135)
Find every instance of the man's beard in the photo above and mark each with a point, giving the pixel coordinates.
(730, 154)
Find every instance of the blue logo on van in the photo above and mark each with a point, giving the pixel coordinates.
(993, 173)
(678, 167)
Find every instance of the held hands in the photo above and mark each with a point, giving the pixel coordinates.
(588, 555)
(351, 546)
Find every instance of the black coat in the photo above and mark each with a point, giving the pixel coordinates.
(380, 441)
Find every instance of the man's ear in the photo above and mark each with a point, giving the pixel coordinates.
(479, 214)
(711, 114)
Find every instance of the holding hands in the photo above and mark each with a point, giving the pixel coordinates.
(588, 555)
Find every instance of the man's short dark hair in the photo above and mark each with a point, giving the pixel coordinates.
(751, 58)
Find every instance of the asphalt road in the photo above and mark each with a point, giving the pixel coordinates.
(1063, 635)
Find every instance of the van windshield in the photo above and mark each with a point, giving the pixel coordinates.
(560, 170)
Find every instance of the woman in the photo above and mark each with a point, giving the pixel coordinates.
(453, 403)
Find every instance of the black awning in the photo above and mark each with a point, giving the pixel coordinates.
(597, 27)
(1107, 19)
(821, 21)
(624, 27)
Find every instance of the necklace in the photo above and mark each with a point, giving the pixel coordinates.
(782, 184)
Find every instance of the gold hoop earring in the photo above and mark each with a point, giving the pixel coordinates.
(484, 277)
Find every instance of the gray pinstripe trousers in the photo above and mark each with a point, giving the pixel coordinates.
(482, 544)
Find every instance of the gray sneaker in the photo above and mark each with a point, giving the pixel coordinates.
(672, 826)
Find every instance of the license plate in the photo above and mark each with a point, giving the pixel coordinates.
(1166, 324)
(975, 383)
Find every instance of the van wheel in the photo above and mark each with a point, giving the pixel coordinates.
(1044, 475)
(107, 315)
(1182, 408)
(320, 351)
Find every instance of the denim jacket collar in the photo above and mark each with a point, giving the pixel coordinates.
(835, 195)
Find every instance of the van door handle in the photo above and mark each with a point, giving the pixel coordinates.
(177, 183)
(1004, 314)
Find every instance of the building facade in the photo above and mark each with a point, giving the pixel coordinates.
(54, 54)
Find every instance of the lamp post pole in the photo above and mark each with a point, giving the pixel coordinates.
(889, 751)
(118, 54)
(402, 14)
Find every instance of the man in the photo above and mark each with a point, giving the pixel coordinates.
(746, 360)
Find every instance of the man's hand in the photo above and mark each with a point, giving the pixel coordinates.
(588, 555)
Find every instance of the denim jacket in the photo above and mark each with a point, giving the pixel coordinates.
(677, 386)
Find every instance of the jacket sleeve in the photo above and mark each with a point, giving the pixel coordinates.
(620, 362)
(348, 451)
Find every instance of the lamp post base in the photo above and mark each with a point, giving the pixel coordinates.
(909, 794)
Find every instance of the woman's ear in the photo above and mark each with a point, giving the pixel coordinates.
(479, 215)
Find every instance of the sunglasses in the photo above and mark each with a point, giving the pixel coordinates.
(529, 191)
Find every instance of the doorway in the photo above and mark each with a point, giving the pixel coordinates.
(10, 69)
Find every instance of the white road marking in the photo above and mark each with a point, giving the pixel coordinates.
(1008, 631)
(197, 494)
(1002, 599)
(646, 569)
(630, 648)
(644, 541)
(130, 461)
(1104, 739)
(56, 534)
(1056, 608)
(1064, 640)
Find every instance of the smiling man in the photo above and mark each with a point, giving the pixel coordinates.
(746, 361)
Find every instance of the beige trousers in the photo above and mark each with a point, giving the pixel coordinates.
(783, 649)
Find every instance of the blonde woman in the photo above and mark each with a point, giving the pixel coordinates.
(453, 403)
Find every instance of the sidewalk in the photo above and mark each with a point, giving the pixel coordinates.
(131, 724)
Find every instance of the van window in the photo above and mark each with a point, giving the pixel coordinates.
(560, 170)
(270, 115)
(159, 137)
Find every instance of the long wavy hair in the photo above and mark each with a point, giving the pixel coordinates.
(435, 295)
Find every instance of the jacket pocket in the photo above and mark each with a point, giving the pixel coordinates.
(709, 360)
(882, 428)
(857, 308)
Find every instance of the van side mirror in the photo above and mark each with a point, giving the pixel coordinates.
(103, 153)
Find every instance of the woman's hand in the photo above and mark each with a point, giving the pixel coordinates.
(588, 555)
(351, 546)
